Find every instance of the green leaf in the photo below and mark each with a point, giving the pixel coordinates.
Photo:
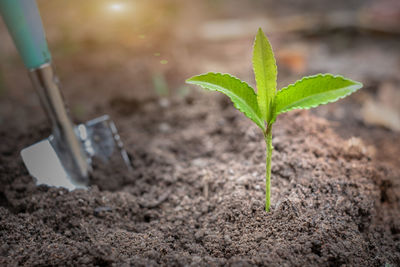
(313, 91)
(265, 72)
(242, 95)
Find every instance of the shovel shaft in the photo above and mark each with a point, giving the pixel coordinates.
(23, 21)
(25, 26)
(68, 146)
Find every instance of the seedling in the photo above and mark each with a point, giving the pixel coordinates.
(264, 106)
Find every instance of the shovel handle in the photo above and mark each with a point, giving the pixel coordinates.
(24, 24)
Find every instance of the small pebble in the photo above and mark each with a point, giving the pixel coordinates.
(164, 127)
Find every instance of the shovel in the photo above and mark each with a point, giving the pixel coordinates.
(66, 157)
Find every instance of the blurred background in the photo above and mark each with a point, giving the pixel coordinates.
(114, 55)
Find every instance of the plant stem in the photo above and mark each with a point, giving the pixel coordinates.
(268, 143)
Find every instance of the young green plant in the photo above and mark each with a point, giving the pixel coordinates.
(262, 108)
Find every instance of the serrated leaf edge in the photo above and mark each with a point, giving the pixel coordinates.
(260, 118)
(322, 103)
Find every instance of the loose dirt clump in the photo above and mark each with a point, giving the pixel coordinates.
(195, 196)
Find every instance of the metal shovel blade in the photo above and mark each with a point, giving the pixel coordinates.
(101, 140)
(47, 163)
(44, 165)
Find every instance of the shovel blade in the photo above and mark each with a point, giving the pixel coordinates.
(48, 163)
(101, 140)
(44, 165)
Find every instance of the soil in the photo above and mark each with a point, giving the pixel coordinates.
(195, 195)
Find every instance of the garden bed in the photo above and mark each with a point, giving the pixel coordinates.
(196, 195)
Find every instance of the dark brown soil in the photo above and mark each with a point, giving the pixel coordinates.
(196, 196)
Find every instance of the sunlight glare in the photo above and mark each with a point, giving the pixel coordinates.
(117, 7)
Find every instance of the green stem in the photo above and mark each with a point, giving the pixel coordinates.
(268, 143)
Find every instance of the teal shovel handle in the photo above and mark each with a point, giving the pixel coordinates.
(25, 26)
